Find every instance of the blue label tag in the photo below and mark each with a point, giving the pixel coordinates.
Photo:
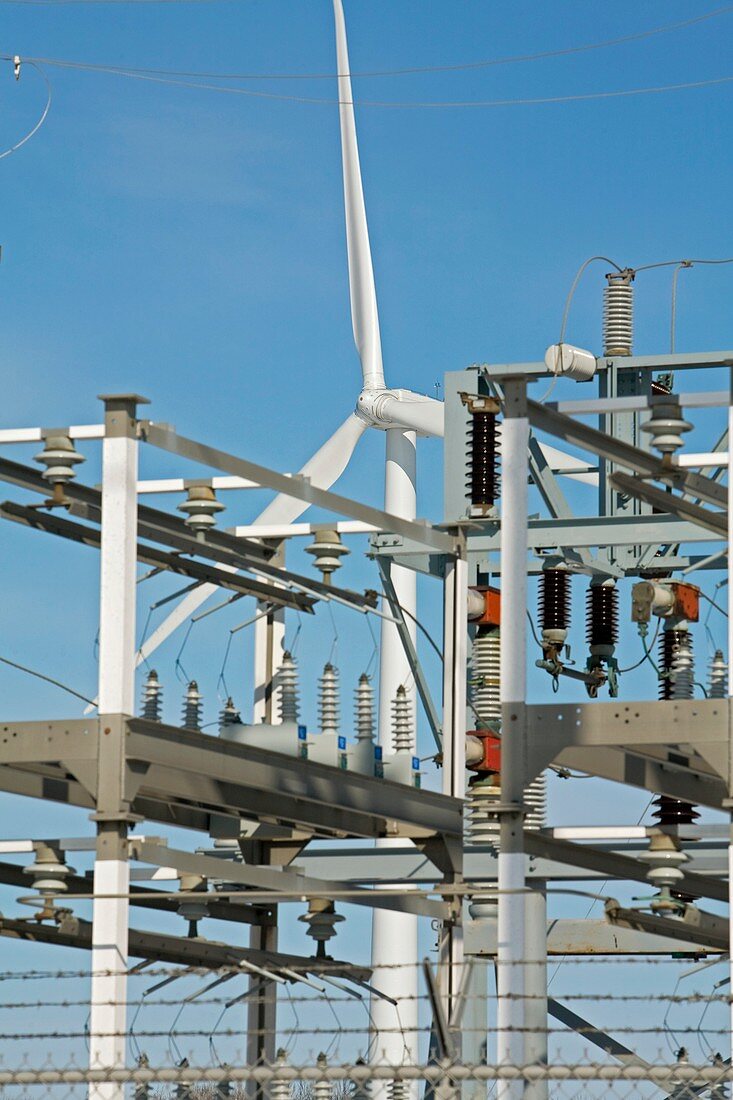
(302, 731)
(416, 763)
(377, 752)
(342, 742)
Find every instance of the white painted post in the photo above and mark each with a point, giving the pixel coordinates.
(394, 935)
(269, 639)
(455, 657)
(511, 902)
(535, 987)
(108, 1018)
(730, 683)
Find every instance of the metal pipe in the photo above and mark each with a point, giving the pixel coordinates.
(394, 935)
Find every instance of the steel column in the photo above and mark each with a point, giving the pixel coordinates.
(510, 948)
(108, 1018)
(262, 1007)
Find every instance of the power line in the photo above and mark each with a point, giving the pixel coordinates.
(395, 104)
(484, 63)
(44, 113)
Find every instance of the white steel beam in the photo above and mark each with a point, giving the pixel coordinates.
(37, 435)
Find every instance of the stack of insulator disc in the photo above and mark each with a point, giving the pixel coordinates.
(364, 710)
(673, 811)
(483, 460)
(152, 697)
(229, 715)
(554, 599)
(535, 799)
(328, 700)
(618, 314)
(402, 732)
(670, 645)
(482, 824)
(602, 616)
(718, 677)
(485, 672)
(192, 706)
(289, 695)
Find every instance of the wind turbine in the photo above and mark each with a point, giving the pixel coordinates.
(402, 415)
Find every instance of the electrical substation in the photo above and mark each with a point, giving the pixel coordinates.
(572, 504)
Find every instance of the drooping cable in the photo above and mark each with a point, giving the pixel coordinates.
(485, 63)
(48, 680)
(407, 105)
(44, 113)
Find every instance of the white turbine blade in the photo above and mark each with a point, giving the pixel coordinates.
(324, 468)
(570, 466)
(364, 316)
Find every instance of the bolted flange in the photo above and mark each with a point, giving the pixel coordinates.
(664, 859)
(201, 507)
(192, 909)
(666, 425)
(59, 456)
(327, 550)
(49, 871)
(321, 918)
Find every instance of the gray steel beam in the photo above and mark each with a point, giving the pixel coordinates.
(533, 371)
(15, 473)
(295, 486)
(624, 454)
(291, 883)
(587, 937)
(239, 779)
(670, 502)
(11, 874)
(660, 726)
(598, 405)
(593, 531)
(177, 950)
(613, 865)
(188, 778)
(156, 526)
(705, 928)
(598, 1038)
(91, 536)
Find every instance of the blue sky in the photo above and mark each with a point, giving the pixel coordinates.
(190, 245)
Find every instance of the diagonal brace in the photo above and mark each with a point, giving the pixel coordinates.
(416, 668)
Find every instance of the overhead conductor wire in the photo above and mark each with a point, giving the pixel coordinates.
(484, 63)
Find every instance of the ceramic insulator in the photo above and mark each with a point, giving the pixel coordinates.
(289, 693)
(192, 705)
(152, 701)
(485, 669)
(364, 710)
(403, 738)
(618, 313)
(328, 700)
(718, 677)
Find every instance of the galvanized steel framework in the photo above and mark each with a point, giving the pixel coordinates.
(127, 770)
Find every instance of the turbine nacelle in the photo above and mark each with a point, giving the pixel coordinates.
(398, 408)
